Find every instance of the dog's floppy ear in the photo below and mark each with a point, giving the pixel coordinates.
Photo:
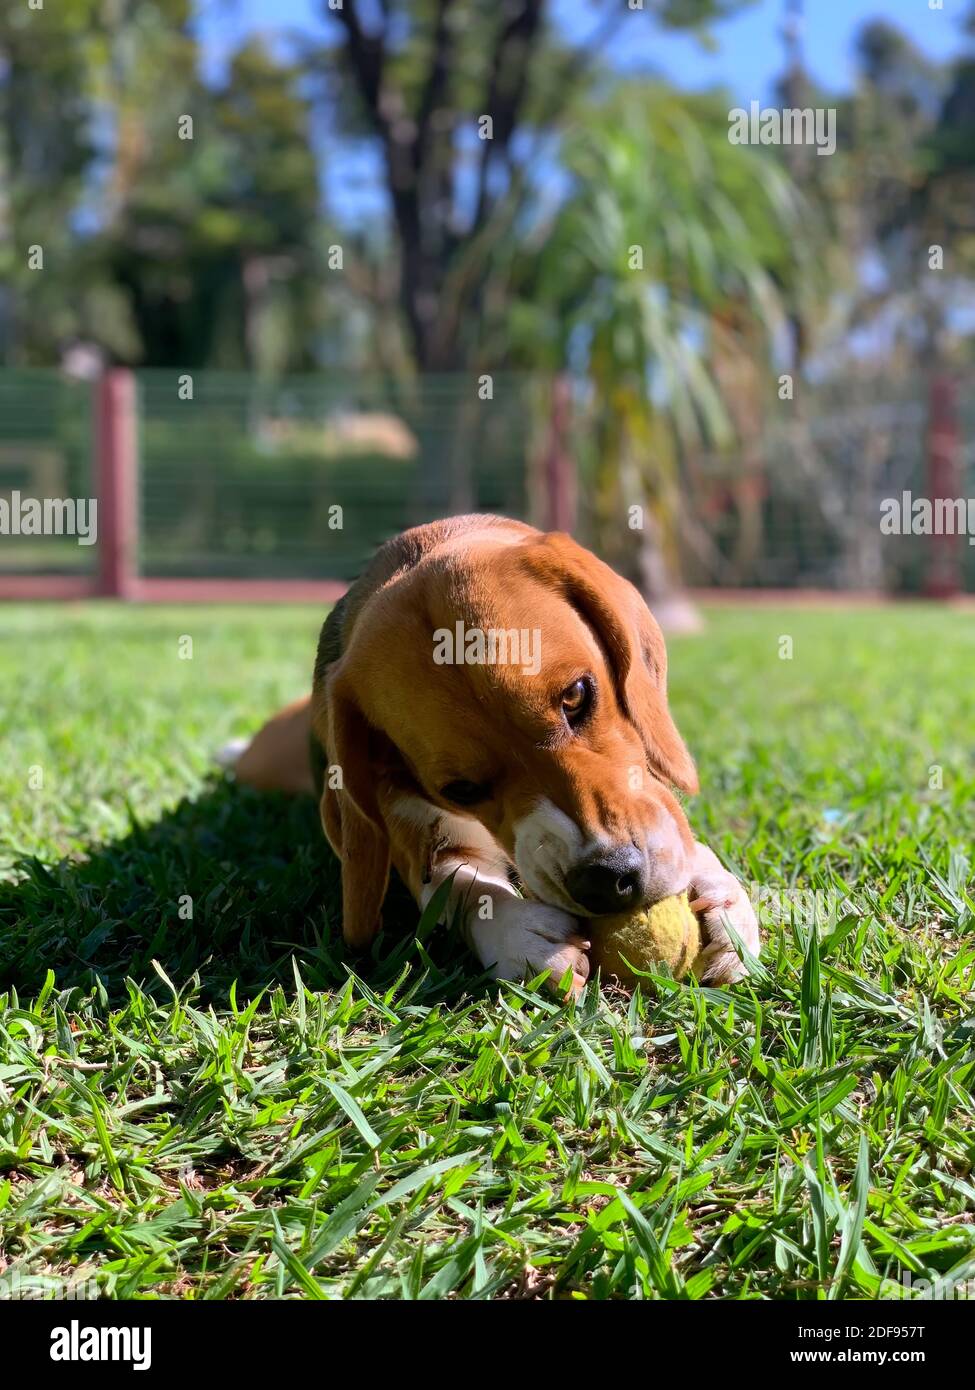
(351, 817)
(633, 643)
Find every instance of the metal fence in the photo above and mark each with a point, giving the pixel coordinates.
(223, 479)
(803, 508)
(304, 478)
(45, 453)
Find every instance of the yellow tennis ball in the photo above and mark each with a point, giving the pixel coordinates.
(668, 932)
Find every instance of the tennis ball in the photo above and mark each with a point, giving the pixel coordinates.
(668, 932)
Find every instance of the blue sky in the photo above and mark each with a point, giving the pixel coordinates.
(747, 56)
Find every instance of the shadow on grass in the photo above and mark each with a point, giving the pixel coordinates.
(264, 890)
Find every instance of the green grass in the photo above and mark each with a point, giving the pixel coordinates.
(219, 1107)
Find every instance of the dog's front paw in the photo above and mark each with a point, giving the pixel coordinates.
(717, 897)
(525, 938)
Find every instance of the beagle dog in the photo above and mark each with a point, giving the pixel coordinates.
(490, 703)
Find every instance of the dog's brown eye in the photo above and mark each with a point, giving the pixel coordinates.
(576, 699)
(466, 793)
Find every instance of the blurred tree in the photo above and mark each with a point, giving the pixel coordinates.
(180, 221)
(869, 191)
(47, 63)
(213, 236)
(879, 330)
(463, 98)
(947, 195)
(464, 105)
(668, 266)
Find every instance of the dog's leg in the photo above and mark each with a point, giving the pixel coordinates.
(511, 936)
(714, 894)
(277, 757)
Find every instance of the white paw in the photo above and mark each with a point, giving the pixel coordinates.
(229, 755)
(525, 938)
(717, 897)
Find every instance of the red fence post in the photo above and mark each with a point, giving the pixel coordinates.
(942, 577)
(117, 473)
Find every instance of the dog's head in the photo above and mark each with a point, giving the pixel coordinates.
(523, 685)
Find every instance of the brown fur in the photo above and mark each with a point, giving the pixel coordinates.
(399, 727)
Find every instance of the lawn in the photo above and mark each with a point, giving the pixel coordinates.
(201, 1097)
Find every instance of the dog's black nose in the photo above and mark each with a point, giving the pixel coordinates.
(609, 882)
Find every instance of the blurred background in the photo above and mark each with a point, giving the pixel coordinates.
(312, 271)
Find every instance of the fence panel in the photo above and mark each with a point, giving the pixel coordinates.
(278, 484)
(45, 457)
(804, 508)
(304, 478)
